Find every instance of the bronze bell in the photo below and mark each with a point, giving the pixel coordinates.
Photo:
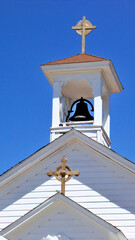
(81, 112)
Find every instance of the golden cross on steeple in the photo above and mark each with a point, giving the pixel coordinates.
(60, 173)
(83, 27)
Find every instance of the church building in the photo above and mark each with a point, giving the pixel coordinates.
(75, 187)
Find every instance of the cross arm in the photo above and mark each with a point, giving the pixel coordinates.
(86, 28)
(71, 173)
(53, 173)
(50, 173)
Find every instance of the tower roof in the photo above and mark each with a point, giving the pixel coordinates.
(79, 58)
(80, 63)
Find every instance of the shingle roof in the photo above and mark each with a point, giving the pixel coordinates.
(79, 58)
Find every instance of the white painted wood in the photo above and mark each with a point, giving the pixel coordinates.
(101, 77)
(97, 91)
(3, 238)
(62, 214)
(83, 71)
(106, 113)
(56, 103)
(68, 140)
(12, 214)
(88, 84)
(92, 131)
(104, 187)
(49, 237)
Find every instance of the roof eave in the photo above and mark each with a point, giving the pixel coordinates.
(54, 71)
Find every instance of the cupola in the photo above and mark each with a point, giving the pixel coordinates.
(82, 85)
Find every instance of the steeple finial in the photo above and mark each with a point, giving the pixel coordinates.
(83, 27)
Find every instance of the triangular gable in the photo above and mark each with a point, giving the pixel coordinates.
(101, 191)
(59, 143)
(53, 203)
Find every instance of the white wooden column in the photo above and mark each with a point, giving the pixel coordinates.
(97, 92)
(56, 103)
(106, 111)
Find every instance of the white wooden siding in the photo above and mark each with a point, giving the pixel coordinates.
(103, 187)
(61, 219)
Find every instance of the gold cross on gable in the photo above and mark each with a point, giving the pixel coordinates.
(83, 27)
(62, 174)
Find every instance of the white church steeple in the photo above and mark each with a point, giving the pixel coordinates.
(87, 76)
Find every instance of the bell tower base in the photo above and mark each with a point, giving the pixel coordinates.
(95, 132)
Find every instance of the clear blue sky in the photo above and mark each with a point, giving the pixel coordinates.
(34, 32)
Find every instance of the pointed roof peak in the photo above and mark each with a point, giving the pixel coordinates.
(79, 58)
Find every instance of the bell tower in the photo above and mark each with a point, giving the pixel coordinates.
(79, 82)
